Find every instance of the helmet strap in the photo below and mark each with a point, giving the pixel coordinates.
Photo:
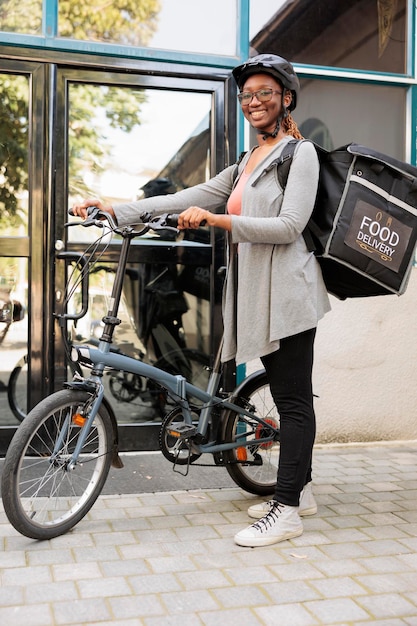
(265, 134)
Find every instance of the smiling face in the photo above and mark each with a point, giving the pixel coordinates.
(263, 115)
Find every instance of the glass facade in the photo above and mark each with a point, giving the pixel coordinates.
(183, 25)
(358, 34)
(146, 142)
(14, 228)
(191, 26)
(334, 113)
(14, 155)
(21, 16)
(118, 99)
(121, 140)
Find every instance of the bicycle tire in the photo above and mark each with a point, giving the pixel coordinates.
(17, 389)
(42, 499)
(253, 468)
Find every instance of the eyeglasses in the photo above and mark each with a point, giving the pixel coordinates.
(263, 95)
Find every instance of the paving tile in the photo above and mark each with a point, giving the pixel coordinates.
(338, 586)
(27, 575)
(80, 611)
(294, 614)
(168, 558)
(138, 607)
(332, 611)
(387, 605)
(243, 596)
(27, 615)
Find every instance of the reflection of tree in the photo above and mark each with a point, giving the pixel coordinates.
(87, 143)
(13, 144)
(21, 16)
(127, 21)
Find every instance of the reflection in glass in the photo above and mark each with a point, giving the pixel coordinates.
(365, 34)
(21, 16)
(14, 124)
(327, 112)
(162, 323)
(127, 22)
(183, 25)
(125, 144)
(121, 139)
(13, 337)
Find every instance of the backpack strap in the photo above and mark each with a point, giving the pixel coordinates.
(283, 164)
(238, 162)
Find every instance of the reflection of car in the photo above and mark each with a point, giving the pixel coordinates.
(11, 311)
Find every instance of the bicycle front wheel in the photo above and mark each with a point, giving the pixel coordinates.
(254, 465)
(42, 497)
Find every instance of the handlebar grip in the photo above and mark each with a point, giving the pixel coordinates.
(172, 220)
(90, 210)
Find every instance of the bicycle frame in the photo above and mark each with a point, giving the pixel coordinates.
(61, 454)
(177, 386)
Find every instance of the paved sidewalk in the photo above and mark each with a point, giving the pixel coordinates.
(168, 558)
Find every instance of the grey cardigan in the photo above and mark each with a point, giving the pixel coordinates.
(280, 286)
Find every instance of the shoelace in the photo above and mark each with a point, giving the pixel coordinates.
(270, 518)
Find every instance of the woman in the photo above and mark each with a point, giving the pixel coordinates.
(280, 291)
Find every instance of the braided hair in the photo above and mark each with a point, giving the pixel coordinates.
(289, 126)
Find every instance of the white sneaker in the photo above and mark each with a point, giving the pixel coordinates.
(308, 505)
(280, 523)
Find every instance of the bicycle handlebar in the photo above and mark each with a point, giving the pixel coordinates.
(96, 217)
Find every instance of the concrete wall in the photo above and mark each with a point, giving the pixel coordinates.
(365, 374)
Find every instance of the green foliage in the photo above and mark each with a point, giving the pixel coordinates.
(21, 16)
(13, 144)
(87, 143)
(128, 22)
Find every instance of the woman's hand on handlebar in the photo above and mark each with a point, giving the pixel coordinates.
(194, 217)
(81, 209)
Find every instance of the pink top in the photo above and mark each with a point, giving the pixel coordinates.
(234, 204)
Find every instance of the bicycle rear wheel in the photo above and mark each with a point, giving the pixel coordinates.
(254, 467)
(42, 498)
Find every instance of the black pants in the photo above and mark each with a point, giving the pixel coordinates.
(289, 372)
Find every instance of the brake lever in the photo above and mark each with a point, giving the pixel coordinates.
(164, 222)
(95, 217)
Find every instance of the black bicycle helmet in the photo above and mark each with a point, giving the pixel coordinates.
(272, 64)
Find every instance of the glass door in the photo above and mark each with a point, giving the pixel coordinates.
(23, 225)
(121, 140)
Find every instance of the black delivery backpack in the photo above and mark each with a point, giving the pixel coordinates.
(363, 229)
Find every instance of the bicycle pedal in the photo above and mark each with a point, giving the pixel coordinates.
(182, 431)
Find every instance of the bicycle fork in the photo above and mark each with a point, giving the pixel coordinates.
(82, 421)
